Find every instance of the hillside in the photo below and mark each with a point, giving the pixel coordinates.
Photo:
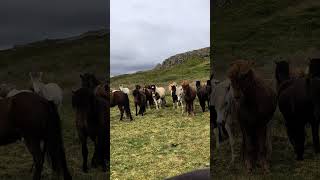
(190, 65)
(61, 60)
(264, 30)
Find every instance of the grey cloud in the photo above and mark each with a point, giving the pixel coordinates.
(145, 32)
(26, 21)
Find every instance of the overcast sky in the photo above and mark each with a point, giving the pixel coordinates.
(145, 32)
(24, 21)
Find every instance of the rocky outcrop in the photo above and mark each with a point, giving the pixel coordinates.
(180, 58)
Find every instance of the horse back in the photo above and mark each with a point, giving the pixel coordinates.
(29, 113)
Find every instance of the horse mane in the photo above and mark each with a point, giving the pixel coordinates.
(241, 67)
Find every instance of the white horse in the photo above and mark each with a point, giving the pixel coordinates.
(125, 90)
(50, 91)
(180, 95)
(158, 95)
(223, 100)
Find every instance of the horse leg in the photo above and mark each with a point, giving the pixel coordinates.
(156, 103)
(84, 154)
(136, 105)
(203, 105)
(262, 148)
(315, 135)
(94, 163)
(35, 149)
(121, 112)
(231, 141)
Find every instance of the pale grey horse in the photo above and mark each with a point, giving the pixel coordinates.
(50, 91)
(223, 100)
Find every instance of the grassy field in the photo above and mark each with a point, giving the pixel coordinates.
(164, 142)
(263, 31)
(60, 63)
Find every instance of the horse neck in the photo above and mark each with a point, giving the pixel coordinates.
(38, 85)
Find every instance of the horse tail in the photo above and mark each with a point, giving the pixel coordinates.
(54, 144)
(127, 106)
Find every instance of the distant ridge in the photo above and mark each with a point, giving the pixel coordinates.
(46, 42)
(182, 57)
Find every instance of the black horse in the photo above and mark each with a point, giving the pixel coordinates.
(297, 108)
(29, 116)
(91, 121)
(140, 100)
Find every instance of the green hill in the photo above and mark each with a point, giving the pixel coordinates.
(61, 60)
(191, 66)
(263, 30)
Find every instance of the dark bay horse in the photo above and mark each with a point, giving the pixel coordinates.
(121, 99)
(29, 116)
(256, 103)
(297, 108)
(148, 92)
(203, 95)
(189, 96)
(139, 100)
(91, 121)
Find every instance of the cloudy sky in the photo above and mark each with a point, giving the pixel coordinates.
(24, 21)
(145, 32)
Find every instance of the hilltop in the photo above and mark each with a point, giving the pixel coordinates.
(265, 30)
(189, 65)
(61, 60)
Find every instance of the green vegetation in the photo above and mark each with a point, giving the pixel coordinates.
(162, 143)
(264, 30)
(60, 63)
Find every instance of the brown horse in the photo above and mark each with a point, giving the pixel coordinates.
(257, 103)
(189, 96)
(139, 100)
(91, 121)
(29, 116)
(121, 99)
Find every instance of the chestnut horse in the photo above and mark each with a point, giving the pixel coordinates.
(256, 105)
(30, 116)
(121, 99)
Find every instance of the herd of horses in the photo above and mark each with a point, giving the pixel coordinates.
(244, 99)
(153, 96)
(32, 116)
(247, 101)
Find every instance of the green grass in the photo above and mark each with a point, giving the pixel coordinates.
(60, 64)
(161, 144)
(282, 165)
